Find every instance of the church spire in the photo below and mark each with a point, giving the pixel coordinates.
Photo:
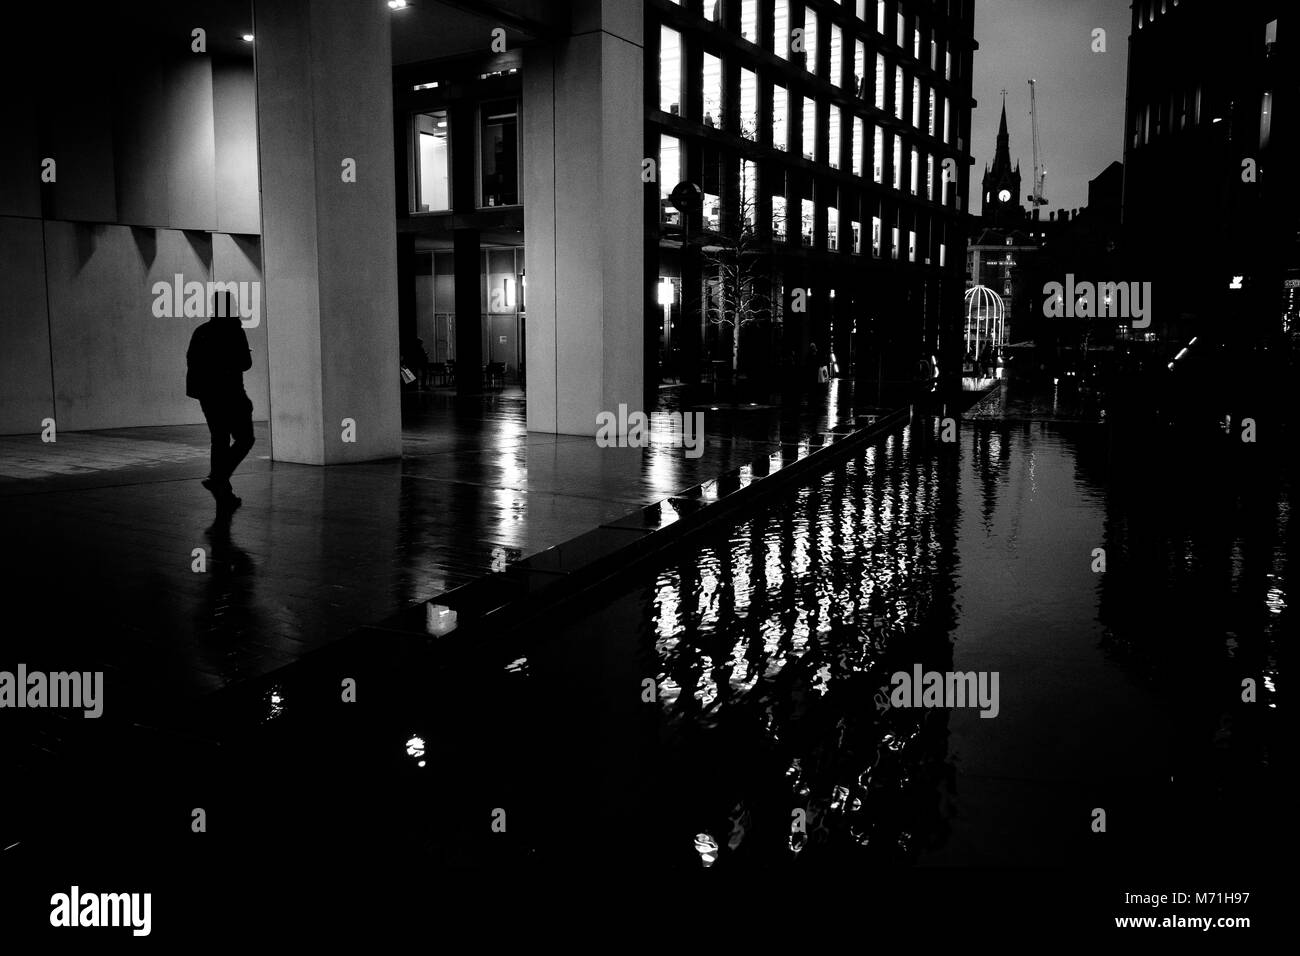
(1004, 138)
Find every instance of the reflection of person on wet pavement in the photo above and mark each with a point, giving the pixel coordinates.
(216, 361)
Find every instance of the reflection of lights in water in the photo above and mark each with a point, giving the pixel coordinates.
(708, 689)
(707, 848)
(839, 797)
(668, 601)
(669, 690)
(415, 750)
(274, 704)
(799, 633)
(1276, 600)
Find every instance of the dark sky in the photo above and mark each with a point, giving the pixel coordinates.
(1080, 93)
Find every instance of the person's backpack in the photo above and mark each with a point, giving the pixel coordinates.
(197, 375)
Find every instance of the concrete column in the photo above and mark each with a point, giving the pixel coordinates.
(584, 209)
(329, 252)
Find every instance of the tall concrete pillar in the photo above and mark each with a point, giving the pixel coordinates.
(329, 252)
(583, 212)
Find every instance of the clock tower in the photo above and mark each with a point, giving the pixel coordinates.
(1001, 196)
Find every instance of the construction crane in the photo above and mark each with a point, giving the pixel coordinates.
(1040, 171)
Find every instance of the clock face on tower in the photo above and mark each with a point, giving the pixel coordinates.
(1004, 195)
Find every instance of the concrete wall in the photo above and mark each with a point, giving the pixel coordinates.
(234, 98)
(164, 146)
(26, 396)
(115, 363)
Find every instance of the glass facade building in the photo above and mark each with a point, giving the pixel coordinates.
(769, 87)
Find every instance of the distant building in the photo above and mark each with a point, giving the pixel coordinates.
(1210, 152)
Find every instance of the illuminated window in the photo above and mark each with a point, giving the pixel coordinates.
(898, 162)
(943, 255)
(781, 29)
(880, 81)
(902, 37)
(712, 212)
(931, 112)
(875, 236)
(748, 192)
(946, 118)
(432, 166)
(778, 217)
(837, 56)
(911, 245)
(857, 236)
(749, 20)
(860, 70)
(880, 17)
(713, 11)
(810, 39)
(855, 161)
(808, 213)
(899, 84)
(748, 104)
(780, 116)
(670, 71)
(833, 138)
(915, 170)
(878, 155)
(947, 64)
(670, 174)
(711, 105)
(832, 229)
(809, 127)
(893, 240)
(916, 103)
(916, 44)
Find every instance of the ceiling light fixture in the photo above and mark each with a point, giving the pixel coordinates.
(248, 38)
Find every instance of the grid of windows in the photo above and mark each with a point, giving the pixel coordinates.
(811, 105)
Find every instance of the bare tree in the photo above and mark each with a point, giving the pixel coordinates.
(735, 264)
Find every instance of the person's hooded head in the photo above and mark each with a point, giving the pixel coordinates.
(225, 306)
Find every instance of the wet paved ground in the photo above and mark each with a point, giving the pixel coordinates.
(108, 523)
(700, 703)
(764, 645)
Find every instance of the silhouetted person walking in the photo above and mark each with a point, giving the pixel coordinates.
(216, 361)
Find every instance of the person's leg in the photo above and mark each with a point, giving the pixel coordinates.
(241, 430)
(213, 413)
